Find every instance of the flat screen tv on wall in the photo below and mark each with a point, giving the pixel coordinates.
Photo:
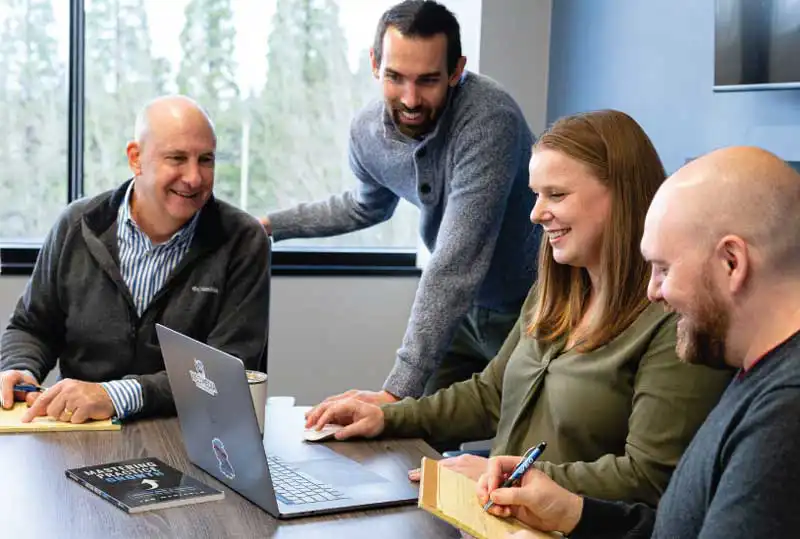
(756, 45)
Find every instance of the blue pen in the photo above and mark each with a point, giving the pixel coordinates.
(28, 388)
(524, 465)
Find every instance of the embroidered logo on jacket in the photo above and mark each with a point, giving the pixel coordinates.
(199, 378)
(206, 289)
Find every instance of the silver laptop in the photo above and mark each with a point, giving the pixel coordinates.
(221, 435)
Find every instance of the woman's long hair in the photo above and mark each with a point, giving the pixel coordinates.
(622, 157)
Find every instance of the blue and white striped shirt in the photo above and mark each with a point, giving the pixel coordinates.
(145, 268)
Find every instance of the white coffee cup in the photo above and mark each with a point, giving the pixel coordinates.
(258, 391)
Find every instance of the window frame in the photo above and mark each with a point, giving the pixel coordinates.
(19, 258)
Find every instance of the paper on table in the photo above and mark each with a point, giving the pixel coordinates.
(11, 421)
(451, 496)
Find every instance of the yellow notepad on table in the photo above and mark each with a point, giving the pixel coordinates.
(11, 421)
(451, 497)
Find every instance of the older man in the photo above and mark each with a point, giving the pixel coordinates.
(158, 249)
(722, 238)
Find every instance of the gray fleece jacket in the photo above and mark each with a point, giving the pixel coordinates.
(469, 178)
(78, 310)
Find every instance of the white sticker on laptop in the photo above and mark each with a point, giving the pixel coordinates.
(225, 465)
(199, 378)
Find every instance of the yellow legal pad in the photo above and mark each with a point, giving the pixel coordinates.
(11, 421)
(451, 497)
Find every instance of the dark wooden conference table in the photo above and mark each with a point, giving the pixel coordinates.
(37, 500)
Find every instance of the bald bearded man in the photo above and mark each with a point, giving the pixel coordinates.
(721, 235)
(158, 249)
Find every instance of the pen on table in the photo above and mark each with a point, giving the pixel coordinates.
(28, 388)
(527, 461)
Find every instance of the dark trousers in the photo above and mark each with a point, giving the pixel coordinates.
(477, 340)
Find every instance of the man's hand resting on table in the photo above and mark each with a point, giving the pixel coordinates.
(71, 401)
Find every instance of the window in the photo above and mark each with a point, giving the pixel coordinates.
(33, 113)
(281, 79)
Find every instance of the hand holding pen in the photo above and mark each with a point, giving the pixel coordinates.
(29, 388)
(18, 386)
(524, 465)
(531, 496)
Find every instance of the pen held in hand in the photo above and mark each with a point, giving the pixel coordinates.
(524, 465)
(29, 388)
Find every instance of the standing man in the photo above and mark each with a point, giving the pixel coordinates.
(457, 146)
(158, 249)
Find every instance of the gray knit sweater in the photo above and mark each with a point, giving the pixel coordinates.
(469, 178)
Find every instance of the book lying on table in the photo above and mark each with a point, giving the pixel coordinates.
(143, 485)
(452, 497)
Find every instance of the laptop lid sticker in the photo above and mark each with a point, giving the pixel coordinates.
(225, 465)
(199, 378)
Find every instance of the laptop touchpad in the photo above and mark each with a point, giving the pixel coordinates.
(339, 472)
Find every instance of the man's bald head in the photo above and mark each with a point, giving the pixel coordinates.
(720, 235)
(173, 162)
(740, 191)
(170, 110)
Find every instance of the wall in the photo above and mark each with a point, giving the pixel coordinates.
(468, 13)
(515, 50)
(655, 61)
(332, 334)
(10, 289)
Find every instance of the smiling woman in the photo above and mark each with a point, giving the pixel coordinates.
(596, 174)
(573, 206)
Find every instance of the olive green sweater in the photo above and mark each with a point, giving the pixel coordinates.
(616, 419)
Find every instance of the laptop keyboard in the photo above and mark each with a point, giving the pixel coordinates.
(293, 487)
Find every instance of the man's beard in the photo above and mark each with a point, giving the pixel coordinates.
(702, 341)
(417, 130)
